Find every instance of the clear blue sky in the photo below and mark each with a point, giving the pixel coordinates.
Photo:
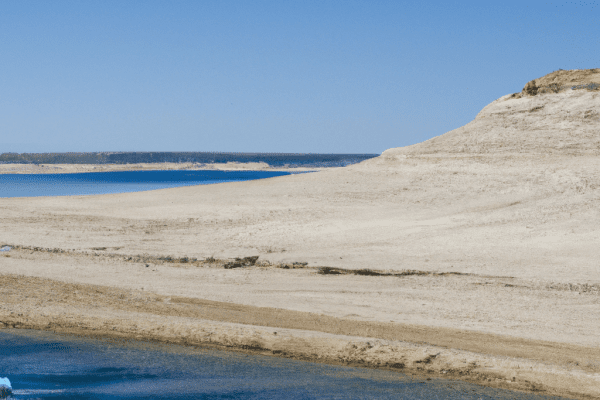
(270, 76)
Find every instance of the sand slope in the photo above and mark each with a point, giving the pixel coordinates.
(502, 213)
(562, 123)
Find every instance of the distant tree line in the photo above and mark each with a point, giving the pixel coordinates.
(273, 159)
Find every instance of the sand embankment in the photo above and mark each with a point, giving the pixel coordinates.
(488, 255)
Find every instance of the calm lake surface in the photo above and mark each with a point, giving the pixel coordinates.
(43, 365)
(34, 185)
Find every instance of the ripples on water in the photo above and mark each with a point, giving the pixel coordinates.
(44, 365)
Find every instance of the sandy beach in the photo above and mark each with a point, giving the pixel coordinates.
(473, 255)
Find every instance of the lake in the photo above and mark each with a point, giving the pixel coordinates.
(44, 365)
(90, 183)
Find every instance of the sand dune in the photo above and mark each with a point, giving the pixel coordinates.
(545, 124)
(490, 229)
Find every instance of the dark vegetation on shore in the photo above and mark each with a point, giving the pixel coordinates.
(273, 159)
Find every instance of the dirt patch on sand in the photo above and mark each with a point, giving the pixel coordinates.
(560, 80)
(371, 272)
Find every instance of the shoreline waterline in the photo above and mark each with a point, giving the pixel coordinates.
(508, 389)
(175, 321)
(131, 368)
(9, 168)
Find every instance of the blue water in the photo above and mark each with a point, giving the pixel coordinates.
(34, 185)
(43, 365)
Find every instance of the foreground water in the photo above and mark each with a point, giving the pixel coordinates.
(43, 365)
(34, 185)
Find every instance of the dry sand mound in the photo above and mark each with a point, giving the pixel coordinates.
(556, 114)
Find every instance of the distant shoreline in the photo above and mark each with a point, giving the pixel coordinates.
(128, 158)
(19, 168)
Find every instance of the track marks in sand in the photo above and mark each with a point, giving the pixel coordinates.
(102, 255)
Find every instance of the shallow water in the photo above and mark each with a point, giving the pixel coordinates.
(35, 185)
(43, 365)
